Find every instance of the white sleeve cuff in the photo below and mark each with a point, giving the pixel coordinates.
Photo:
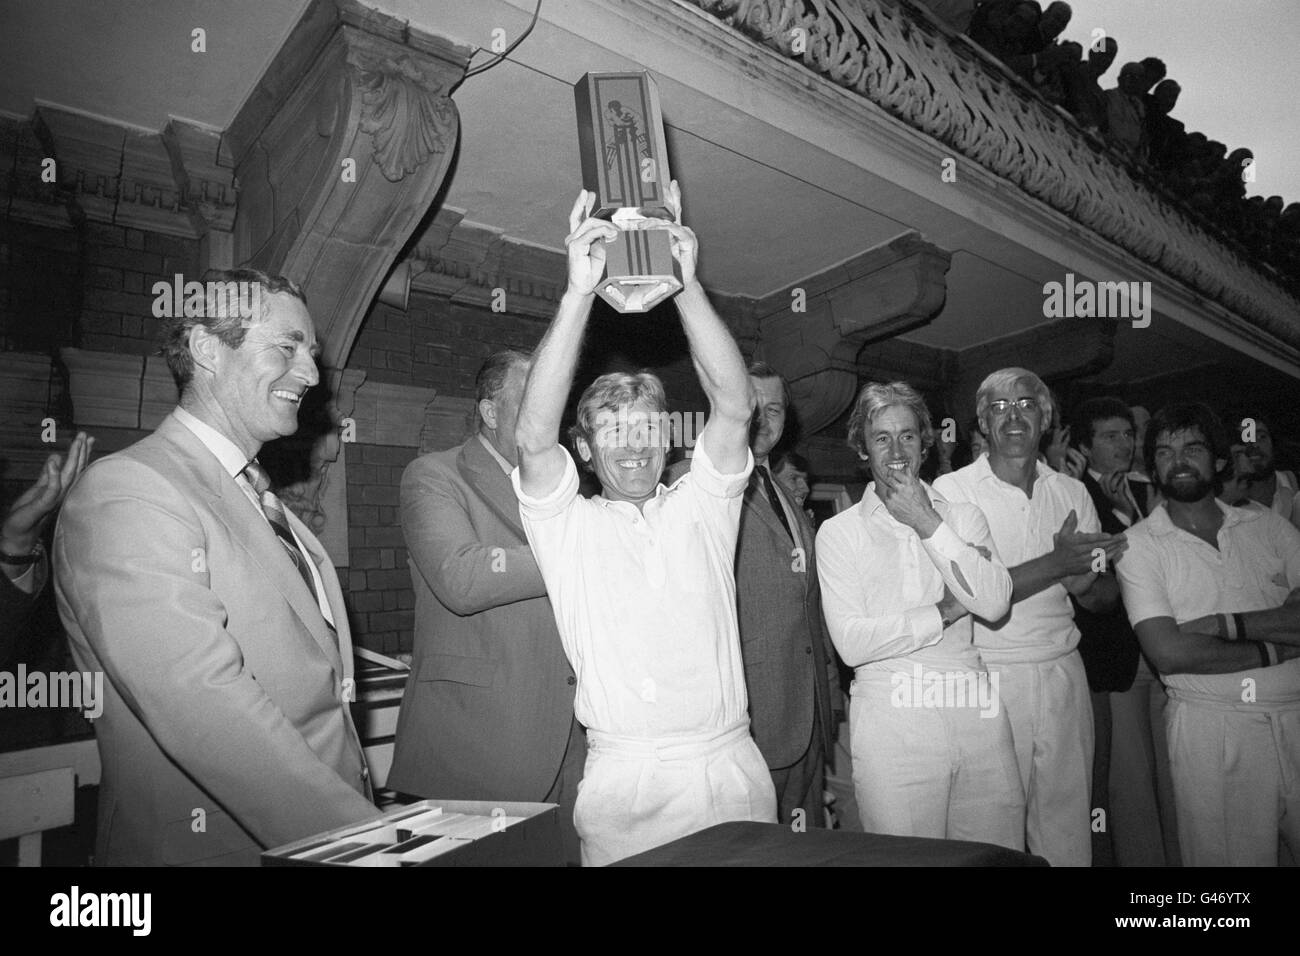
(945, 543)
(550, 505)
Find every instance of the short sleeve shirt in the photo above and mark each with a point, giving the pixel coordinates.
(1040, 627)
(1168, 572)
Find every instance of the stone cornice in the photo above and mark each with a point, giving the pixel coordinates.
(468, 263)
(105, 172)
(919, 73)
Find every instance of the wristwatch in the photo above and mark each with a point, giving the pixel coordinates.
(32, 557)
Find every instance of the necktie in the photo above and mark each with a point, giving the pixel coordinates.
(274, 511)
(772, 498)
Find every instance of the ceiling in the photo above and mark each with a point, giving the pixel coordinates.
(769, 208)
(131, 60)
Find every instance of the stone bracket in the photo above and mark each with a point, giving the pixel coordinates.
(880, 293)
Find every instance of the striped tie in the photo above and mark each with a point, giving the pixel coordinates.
(261, 483)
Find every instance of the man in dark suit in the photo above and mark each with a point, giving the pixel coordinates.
(789, 662)
(1131, 763)
(488, 710)
(214, 614)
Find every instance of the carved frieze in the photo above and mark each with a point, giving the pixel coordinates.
(941, 84)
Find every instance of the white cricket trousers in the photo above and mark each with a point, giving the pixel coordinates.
(934, 771)
(1236, 770)
(1051, 724)
(638, 793)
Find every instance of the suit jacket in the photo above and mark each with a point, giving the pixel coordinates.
(487, 712)
(16, 606)
(1107, 644)
(223, 684)
(790, 669)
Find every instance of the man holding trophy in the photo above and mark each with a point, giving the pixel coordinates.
(641, 577)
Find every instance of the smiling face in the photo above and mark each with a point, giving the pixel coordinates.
(1111, 447)
(255, 390)
(769, 416)
(1014, 432)
(1185, 465)
(894, 442)
(627, 451)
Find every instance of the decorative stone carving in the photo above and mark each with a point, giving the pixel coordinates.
(409, 116)
(945, 86)
(167, 183)
(340, 150)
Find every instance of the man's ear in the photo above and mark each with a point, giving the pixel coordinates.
(487, 412)
(1219, 465)
(204, 348)
(584, 450)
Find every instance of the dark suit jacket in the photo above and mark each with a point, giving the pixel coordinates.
(1107, 644)
(16, 606)
(790, 669)
(224, 688)
(488, 708)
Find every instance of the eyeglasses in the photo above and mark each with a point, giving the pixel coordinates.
(1001, 406)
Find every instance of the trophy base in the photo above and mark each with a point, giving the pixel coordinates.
(640, 271)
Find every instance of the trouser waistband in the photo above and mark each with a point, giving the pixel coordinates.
(679, 747)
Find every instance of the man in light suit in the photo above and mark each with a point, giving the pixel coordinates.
(789, 662)
(214, 614)
(488, 710)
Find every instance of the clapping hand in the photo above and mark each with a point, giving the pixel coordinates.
(1073, 549)
(28, 514)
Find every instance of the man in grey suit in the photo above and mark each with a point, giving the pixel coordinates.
(488, 710)
(214, 614)
(789, 662)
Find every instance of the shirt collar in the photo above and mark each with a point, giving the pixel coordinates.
(225, 450)
(983, 470)
(492, 450)
(1159, 522)
(871, 502)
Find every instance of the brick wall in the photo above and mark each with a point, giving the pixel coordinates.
(87, 287)
(378, 581)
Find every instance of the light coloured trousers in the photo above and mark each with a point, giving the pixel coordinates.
(1051, 724)
(637, 794)
(1236, 777)
(940, 771)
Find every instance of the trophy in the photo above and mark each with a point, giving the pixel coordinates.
(625, 163)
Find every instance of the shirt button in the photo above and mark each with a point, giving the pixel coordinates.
(571, 680)
(807, 650)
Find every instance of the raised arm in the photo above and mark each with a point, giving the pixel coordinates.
(718, 361)
(541, 459)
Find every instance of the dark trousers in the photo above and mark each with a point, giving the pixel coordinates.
(799, 786)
